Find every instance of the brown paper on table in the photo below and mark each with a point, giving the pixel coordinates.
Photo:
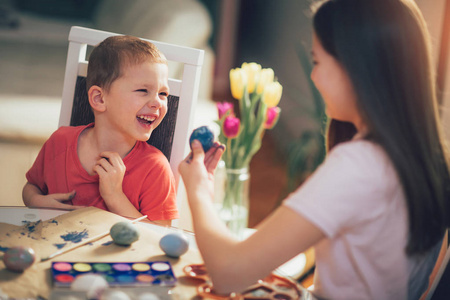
(42, 237)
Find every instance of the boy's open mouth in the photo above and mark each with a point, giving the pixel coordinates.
(146, 119)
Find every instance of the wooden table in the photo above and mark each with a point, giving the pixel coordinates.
(42, 236)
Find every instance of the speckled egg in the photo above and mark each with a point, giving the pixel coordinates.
(19, 258)
(174, 244)
(204, 135)
(124, 233)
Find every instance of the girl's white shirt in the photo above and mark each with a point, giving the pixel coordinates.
(356, 199)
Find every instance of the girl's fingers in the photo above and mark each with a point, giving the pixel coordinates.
(211, 151)
(212, 162)
(197, 151)
(217, 156)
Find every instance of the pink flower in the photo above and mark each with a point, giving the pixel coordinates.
(231, 127)
(272, 115)
(223, 108)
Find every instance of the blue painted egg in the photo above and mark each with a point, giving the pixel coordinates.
(204, 135)
(124, 233)
(174, 244)
(19, 258)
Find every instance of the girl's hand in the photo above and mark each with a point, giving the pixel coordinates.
(111, 170)
(197, 170)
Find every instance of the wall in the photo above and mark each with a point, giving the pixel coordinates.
(434, 15)
(271, 34)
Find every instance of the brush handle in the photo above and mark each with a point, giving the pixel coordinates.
(92, 239)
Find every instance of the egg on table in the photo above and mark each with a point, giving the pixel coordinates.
(92, 284)
(174, 244)
(115, 295)
(124, 233)
(19, 258)
(148, 296)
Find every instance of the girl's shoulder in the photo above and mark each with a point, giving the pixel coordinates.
(360, 149)
(364, 159)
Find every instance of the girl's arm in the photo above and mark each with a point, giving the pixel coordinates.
(232, 264)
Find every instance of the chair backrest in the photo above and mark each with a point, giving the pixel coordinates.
(171, 136)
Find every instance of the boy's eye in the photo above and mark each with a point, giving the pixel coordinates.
(142, 90)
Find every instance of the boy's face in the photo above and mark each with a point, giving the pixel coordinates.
(136, 102)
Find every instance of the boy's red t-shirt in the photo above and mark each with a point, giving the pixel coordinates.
(148, 182)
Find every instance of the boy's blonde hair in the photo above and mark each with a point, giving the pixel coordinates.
(108, 59)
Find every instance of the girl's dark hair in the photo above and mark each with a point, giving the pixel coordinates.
(108, 58)
(385, 48)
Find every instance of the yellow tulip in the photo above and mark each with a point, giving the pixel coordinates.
(253, 71)
(272, 94)
(266, 77)
(238, 81)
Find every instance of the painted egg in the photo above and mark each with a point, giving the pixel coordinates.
(124, 233)
(92, 284)
(204, 135)
(174, 244)
(19, 258)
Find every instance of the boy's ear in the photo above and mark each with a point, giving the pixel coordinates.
(96, 101)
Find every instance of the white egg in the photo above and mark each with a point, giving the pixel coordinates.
(115, 295)
(92, 284)
(148, 296)
(174, 244)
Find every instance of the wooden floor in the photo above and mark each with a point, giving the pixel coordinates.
(267, 181)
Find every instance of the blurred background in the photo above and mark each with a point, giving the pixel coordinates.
(275, 34)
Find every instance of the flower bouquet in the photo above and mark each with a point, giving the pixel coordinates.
(258, 95)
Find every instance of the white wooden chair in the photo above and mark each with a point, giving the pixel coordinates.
(171, 136)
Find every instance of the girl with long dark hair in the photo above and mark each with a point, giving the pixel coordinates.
(377, 209)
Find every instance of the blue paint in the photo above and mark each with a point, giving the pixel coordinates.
(59, 246)
(4, 249)
(74, 236)
(54, 221)
(107, 243)
(204, 135)
(31, 226)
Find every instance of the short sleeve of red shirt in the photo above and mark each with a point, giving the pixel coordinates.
(48, 170)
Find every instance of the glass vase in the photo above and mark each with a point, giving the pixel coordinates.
(233, 198)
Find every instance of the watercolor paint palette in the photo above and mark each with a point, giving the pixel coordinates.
(117, 274)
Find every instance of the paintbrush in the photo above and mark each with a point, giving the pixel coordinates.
(93, 239)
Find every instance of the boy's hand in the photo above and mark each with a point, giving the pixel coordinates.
(111, 170)
(56, 200)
